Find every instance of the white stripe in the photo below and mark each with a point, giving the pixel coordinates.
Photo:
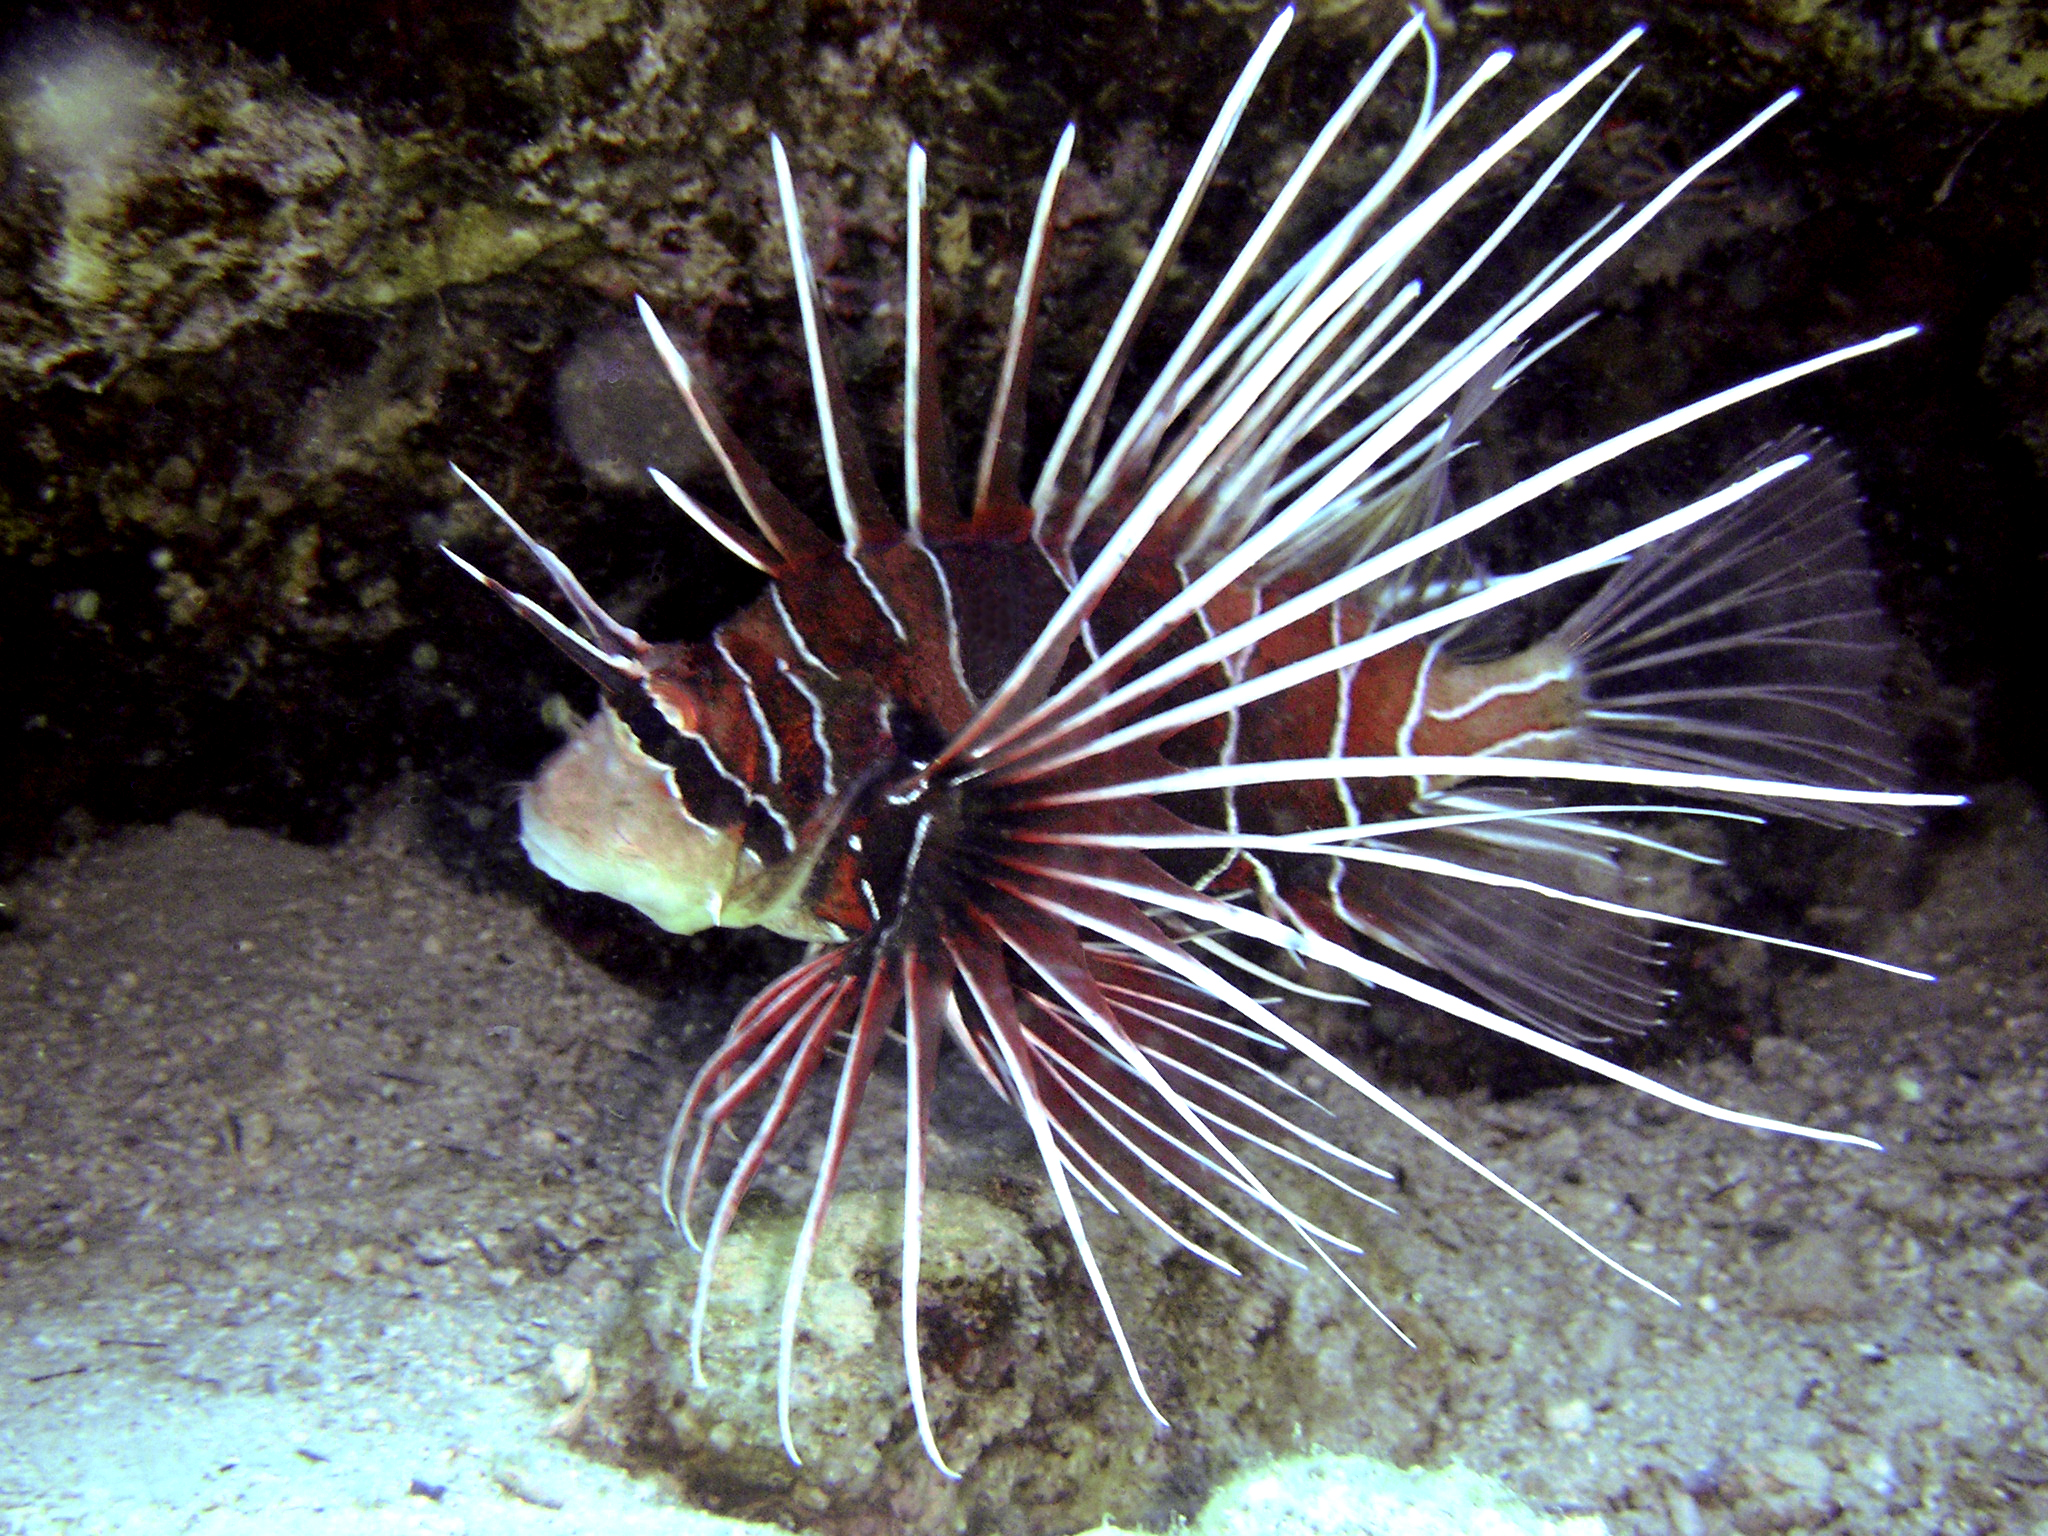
(1497, 594)
(1221, 421)
(1340, 728)
(1218, 1086)
(952, 622)
(752, 492)
(1561, 673)
(1404, 739)
(718, 765)
(1111, 354)
(603, 626)
(1514, 745)
(1234, 669)
(1001, 439)
(1287, 524)
(1309, 770)
(1104, 1030)
(1080, 1080)
(668, 776)
(1149, 421)
(1024, 1095)
(1257, 926)
(914, 339)
(734, 542)
(917, 837)
(1058, 1064)
(790, 676)
(1273, 978)
(1313, 841)
(1451, 870)
(881, 602)
(814, 346)
(809, 656)
(1372, 268)
(781, 821)
(1286, 1035)
(1330, 398)
(761, 726)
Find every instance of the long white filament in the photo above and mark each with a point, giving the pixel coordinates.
(1109, 357)
(1150, 419)
(1479, 766)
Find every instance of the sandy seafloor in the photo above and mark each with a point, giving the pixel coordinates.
(319, 1169)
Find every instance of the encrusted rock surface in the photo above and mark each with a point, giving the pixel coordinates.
(259, 287)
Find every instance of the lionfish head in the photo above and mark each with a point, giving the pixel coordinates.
(641, 804)
(630, 806)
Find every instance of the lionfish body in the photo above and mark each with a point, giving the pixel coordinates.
(1080, 778)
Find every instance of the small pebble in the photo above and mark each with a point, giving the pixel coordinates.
(1568, 1416)
(570, 1364)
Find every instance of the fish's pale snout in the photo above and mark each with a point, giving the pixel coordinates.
(603, 816)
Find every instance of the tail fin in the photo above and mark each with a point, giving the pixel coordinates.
(1751, 644)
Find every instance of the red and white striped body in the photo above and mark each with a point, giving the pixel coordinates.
(795, 705)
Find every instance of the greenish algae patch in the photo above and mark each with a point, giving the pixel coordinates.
(2000, 57)
(471, 243)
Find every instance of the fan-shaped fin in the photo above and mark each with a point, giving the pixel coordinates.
(1571, 971)
(1750, 644)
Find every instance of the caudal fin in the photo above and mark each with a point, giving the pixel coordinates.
(1751, 644)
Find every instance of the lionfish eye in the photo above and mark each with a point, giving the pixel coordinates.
(916, 734)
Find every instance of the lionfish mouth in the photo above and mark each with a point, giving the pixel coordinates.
(1081, 779)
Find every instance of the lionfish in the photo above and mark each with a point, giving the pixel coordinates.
(1084, 779)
